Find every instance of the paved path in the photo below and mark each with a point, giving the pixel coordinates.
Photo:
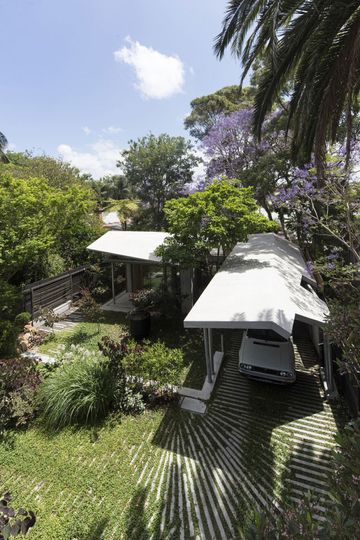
(258, 446)
(70, 319)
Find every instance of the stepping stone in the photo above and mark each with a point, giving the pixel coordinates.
(193, 405)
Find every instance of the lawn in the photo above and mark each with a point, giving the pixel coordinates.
(83, 482)
(170, 474)
(169, 330)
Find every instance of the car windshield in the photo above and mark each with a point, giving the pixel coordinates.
(265, 335)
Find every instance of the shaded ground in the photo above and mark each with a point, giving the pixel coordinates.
(170, 474)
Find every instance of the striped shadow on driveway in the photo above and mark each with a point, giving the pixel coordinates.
(258, 446)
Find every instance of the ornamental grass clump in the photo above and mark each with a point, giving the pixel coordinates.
(78, 392)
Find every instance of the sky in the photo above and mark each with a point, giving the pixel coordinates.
(80, 78)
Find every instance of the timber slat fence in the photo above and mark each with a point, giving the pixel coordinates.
(52, 292)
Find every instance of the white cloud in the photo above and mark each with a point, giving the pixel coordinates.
(112, 130)
(100, 161)
(158, 75)
(86, 130)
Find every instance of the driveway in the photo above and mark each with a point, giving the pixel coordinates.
(258, 446)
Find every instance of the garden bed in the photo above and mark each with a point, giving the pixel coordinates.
(168, 330)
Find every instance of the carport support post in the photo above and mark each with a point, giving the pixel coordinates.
(328, 363)
(207, 356)
(211, 352)
(112, 282)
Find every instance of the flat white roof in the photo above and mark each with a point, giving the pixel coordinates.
(138, 245)
(259, 286)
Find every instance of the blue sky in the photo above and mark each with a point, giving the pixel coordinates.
(82, 77)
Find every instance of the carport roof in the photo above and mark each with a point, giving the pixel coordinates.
(139, 245)
(263, 283)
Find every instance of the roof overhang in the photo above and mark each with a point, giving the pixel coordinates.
(260, 285)
(137, 246)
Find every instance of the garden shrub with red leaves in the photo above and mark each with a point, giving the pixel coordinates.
(19, 382)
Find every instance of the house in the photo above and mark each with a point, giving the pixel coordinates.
(263, 283)
(136, 251)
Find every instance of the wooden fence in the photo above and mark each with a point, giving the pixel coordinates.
(52, 292)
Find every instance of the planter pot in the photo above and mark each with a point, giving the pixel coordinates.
(140, 325)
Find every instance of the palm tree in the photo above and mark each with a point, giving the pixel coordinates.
(3, 145)
(315, 44)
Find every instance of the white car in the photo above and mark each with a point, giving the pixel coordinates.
(267, 356)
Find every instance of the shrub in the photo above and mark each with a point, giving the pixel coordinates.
(80, 391)
(9, 305)
(19, 384)
(22, 319)
(131, 402)
(154, 362)
(145, 299)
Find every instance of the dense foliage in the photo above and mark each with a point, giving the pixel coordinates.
(38, 222)
(157, 169)
(154, 362)
(19, 383)
(214, 219)
(206, 109)
(315, 45)
(80, 391)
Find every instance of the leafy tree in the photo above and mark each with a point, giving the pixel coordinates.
(111, 187)
(314, 43)
(38, 220)
(215, 219)
(158, 169)
(330, 212)
(233, 151)
(58, 174)
(205, 110)
(3, 144)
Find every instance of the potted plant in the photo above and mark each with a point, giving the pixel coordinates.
(144, 301)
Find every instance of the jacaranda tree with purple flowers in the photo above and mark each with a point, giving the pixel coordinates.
(233, 151)
(329, 212)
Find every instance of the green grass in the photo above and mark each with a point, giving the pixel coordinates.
(78, 483)
(169, 330)
(86, 334)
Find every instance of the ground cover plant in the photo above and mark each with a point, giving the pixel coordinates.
(82, 481)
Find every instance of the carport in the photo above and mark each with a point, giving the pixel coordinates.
(264, 284)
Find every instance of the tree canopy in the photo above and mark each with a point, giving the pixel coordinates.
(316, 45)
(206, 109)
(39, 222)
(58, 173)
(157, 169)
(214, 219)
